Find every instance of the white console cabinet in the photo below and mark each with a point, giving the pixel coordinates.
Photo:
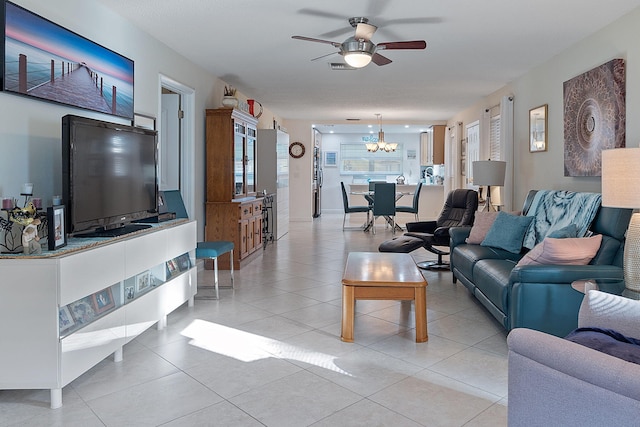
(127, 284)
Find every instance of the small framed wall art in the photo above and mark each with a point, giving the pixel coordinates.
(57, 234)
(331, 159)
(538, 129)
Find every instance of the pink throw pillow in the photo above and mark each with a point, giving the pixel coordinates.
(569, 251)
(481, 226)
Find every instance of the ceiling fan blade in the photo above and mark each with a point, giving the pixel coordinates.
(415, 44)
(377, 7)
(321, 13)
(311, 39)
(324, 56)
(365, 31)
(418, 20)
(380, 60)
(338, 32)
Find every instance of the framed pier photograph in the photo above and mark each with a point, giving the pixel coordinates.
(44, 60)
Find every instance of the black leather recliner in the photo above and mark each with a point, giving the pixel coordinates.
(459, 210)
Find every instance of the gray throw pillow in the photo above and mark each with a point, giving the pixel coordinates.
(567, 232)
(507, 232)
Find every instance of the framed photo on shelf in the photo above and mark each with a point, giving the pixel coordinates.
(103, 301)
(172, 268)
(129, 293)
(65, 319)
(57, 234)
(184, 263)
(143, 282)
(82, 311)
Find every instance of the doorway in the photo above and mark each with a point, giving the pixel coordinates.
(176, 125)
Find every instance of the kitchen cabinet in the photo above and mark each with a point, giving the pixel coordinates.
(432, 146)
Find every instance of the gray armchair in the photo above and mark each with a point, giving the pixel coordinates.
(553, 381)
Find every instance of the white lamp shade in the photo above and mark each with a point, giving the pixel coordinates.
(489, 172)
(357, 59)
(621, 178)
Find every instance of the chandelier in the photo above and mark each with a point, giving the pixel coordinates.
(381, 145)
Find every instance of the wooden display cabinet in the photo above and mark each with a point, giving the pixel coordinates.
(233, 212)
(231, 154)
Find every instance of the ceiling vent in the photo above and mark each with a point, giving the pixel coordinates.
(341, 66)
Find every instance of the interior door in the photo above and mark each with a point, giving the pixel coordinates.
(473, 151)
(169, 155)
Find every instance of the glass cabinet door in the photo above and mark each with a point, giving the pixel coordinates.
(239, 159)
(251, 160)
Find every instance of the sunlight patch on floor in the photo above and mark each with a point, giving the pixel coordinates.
(248, 347)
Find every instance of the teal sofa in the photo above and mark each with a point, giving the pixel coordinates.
(537, 297)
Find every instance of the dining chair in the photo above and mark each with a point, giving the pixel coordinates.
(372, 189)
(384, 204)
(351, 209)
(414, 208)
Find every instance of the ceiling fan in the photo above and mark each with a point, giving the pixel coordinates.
(358, 50)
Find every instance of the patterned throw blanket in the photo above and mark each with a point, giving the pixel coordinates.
(553, 210)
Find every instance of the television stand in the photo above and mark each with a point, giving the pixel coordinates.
(115, 232)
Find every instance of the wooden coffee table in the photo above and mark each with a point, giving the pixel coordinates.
(382, 276)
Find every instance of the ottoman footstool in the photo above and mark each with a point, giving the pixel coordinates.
(401, 244)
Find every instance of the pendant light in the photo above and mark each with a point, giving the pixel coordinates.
(381, 144)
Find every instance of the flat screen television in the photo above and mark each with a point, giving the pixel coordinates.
(109, 174)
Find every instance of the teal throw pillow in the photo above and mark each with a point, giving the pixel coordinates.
(507, 232)
(568, 232)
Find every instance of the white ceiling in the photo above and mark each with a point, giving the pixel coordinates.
(473, 49)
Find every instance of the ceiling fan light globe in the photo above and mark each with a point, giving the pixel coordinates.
(357, 59)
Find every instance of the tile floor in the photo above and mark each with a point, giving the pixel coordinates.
(269, 353)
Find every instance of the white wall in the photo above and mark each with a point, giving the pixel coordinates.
(30, 130)
(331, 191)
(544, 85)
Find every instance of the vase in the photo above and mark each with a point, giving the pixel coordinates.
(229, 102)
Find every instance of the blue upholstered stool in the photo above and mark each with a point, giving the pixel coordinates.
(212, 250)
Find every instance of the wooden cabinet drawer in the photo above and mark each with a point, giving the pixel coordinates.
(257, 207)
(246, 210)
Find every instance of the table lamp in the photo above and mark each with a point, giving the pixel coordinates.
(488, 172)
(620, 183)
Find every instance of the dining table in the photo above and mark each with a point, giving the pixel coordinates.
(371, 193)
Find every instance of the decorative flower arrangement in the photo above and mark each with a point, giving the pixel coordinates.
(229, 91)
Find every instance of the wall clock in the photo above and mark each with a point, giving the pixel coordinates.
(296, 150)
